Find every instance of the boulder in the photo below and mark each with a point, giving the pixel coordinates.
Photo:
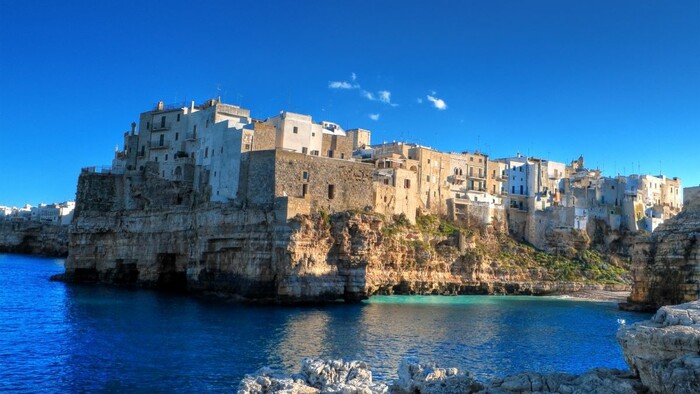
(665, 351)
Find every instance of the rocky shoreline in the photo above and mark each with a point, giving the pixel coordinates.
(663, 354)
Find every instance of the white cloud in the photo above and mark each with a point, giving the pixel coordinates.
(340, 85)
(385, 96)
(374, 116)
(353, 76)
(419, 100)
(368, 95)
(438, 103)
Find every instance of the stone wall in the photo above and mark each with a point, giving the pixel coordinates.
(264, 136)
(332, 185)
(340, 146)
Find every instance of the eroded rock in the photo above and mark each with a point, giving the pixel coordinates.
(665, 351)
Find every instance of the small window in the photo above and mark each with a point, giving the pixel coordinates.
(427, 178)
(178, 117)
(194, 130)
(156, 160)
(313, 134)
(330, 153)
(222, 150)
(207, 123)
(148, 125)
(304, 150)
(214, 173)
(342, 155)
(247, 146)
(428, 161)
(304, 189)
(206, 152)
(143, 150)
(407, 183)
(161, 142)
(162, 122)
(177, 136)
(166, 157)
(305, 175)
(163, 173)
(331, 192)
(471, 159)
(295, 130)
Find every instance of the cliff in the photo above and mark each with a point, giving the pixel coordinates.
(252, 254)
(666, 264)
(28, 237)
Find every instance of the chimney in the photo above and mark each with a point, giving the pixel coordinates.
(160, 105)
(133, 128)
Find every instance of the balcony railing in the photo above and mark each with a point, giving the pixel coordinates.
(160, 126)
(158, 145)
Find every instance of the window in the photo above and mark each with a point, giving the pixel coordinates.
(207, 123)
(512, 190)
(407, 183)
(480, 160)
(520, 168)
(166, 157)
(331, 192)
(177, 135)
(143, 150)
(386, 181)
(330, 153)
(314, 152)
(178, 117)
(304, 150)
(206, 152)
(305, 175)
(162, 140)
(342, 155)
(156, 160)
(295, 130)
(194, 131)
(247, 146)
(428, 161)
(148, 125)
(427, 178)
(163, 173)
(471, 159)
(162, 122)
(313, 134)
(521, 189)
(304, 189)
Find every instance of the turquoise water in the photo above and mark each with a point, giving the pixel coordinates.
(57, 338)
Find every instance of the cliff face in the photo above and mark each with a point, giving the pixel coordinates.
(33, 238)
(666, 265)
(252, 254)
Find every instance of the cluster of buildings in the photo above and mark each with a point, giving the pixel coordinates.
(57, 213)
(293, 164)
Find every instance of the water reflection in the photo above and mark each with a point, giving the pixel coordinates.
(55, 337)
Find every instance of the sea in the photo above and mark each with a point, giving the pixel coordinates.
(57, 337)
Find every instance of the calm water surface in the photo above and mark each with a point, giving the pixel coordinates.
(56, 337)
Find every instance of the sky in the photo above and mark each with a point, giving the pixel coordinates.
(615, 81)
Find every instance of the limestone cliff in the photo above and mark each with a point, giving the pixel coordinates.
(351, 255)
(666, 264)
(29, 237)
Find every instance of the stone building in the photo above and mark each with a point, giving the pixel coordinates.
(204, 148)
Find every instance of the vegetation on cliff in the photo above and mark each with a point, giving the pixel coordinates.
(439, 250)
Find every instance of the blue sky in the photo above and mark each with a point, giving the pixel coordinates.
(616, 81)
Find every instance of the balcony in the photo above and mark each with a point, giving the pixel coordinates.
(190, 136)
(160, 126)
(158, 145)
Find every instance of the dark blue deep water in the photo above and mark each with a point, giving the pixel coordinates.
(66, 338)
